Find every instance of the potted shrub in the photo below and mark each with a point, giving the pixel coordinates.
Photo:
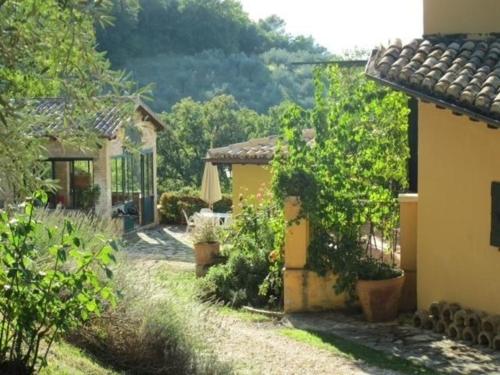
(379, 288)
(206, 245)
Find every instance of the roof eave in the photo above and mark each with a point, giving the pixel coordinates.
(153, 118)
(255, 161)
(456, 109)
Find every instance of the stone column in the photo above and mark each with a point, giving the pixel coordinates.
(408, 204)
(102, 178)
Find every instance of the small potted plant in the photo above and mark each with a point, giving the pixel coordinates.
(206, 245)
(379, 288)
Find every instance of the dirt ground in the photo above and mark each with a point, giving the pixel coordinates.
(259, 348)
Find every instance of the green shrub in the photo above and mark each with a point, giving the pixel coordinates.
(252, 272)
(41, 300)
(172, 204)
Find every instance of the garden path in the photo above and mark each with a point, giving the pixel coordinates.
(259, 347)
(253, 347)
(170, 243)
(426, 348)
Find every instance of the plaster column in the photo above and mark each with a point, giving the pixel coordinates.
(297, 236)
(295, 252)
(408, 204)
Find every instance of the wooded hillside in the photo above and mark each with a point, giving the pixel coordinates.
(204, 48)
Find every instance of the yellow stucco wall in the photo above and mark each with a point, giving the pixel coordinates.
(304, 290)
(408, 210)
(461, 16)
(249, 181)
(458, 160)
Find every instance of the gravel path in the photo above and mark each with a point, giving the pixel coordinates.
(259, 348)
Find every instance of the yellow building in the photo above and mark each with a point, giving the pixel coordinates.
(454, 72)
(250, 166)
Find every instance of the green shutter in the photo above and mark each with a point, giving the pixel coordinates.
(495, 214)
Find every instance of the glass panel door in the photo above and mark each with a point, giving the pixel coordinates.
(147, 188)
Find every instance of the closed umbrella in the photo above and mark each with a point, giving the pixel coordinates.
(210, 185)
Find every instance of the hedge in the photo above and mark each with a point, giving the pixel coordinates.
(172, 203)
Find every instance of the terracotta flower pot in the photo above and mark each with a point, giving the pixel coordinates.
(205, 254)
(380, 298)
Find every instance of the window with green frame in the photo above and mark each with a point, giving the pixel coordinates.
(147, 170)
(125, 178)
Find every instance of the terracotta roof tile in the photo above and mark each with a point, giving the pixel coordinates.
(461, 73)
(106, 122)
(256, 151)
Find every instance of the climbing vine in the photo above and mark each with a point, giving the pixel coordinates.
(349, 175)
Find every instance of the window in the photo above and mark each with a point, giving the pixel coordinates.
(147, 174)
(125, 174)
(75, 178)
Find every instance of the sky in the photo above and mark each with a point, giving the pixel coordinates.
(341, 25)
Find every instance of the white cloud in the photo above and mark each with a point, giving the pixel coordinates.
(340, 25)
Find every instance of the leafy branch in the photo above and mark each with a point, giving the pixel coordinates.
(349, 178)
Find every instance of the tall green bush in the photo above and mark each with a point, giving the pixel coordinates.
(352, 173)
(40, 301)
(252, 273)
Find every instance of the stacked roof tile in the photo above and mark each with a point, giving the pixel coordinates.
(461, 72)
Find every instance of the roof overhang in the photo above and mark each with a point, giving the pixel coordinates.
(230, 161)
(460, 73)
(440, 103)
(150, 115)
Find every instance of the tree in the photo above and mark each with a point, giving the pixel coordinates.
(47, 49)
(195, 127)
(352, 173)
(201, 49)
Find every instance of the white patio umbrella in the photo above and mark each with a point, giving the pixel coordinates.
(210, 185)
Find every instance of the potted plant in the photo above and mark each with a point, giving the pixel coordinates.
(378, 288)
(206, 245)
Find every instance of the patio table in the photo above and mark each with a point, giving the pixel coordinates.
(218, 218)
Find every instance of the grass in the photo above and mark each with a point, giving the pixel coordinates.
(243, 315)
(158, 327)
(65, 359)
(354, 351)
(184, 284)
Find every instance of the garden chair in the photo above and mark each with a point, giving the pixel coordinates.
(190, 224)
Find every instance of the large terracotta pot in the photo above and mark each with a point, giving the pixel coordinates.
(206, 255)
(380, 298)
